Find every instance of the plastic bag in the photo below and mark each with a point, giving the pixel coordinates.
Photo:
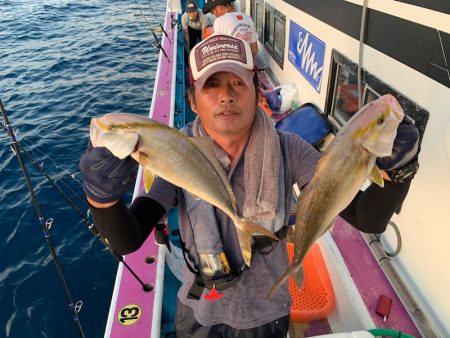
(288, 95)
(282, 98)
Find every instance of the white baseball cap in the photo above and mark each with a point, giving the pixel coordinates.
(221, 53)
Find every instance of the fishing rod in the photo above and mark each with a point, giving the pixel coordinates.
(45, 224)
(157, 43)
(91, 226)
(161, 28)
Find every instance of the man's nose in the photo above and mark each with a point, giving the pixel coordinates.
(227, 94)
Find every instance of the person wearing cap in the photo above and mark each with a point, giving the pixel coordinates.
(261, 164)
(225, 297)
(194, 23)
(232, 22)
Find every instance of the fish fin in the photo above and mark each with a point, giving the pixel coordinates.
(293, 268)
(148, 179)
(324, 230)
(299, 277)
(205, 146)
(245, 228)
(120, 146)
(376, 177)
(195, 197)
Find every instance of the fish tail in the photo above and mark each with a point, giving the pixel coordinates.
(245, 228)
(291, 271)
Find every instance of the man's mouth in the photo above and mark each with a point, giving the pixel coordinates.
(227, 113)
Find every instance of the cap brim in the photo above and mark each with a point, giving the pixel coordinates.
(245, 74)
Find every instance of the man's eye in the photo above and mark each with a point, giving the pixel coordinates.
(239, 83)
(210, 84)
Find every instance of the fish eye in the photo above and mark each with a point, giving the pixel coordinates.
(112, 127)
(380, 120)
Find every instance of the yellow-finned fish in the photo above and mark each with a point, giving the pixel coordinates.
(346, 164)
(187, 162)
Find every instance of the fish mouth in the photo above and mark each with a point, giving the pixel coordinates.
(96, 130)
(395, 107)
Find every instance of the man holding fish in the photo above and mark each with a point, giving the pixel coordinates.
(231, 175)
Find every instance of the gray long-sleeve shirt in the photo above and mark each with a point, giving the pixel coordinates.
(244, 305)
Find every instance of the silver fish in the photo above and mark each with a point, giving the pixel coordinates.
(346, 164)
(187, 162)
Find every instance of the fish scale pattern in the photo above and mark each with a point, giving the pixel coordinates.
(316, 298)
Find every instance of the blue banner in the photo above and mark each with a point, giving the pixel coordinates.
(306, 53)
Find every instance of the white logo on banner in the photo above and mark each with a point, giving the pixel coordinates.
(308, 58)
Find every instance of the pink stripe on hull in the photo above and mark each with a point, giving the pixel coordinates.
(131, 292)
(370, 278)
(163, 95)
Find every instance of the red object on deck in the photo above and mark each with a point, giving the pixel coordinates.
(384, 306)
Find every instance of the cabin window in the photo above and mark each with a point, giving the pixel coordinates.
(274, 34)
(242, 6)
(345, 102)
(257, 14)
(342, 96)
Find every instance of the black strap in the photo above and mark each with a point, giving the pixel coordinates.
(196, 288)
(262, 242)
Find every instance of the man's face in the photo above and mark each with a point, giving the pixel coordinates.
(218, 10)
(225, 105)
(193, 16)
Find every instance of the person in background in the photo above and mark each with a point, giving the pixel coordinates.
(193, 23)
(232, 22)
(261, 163)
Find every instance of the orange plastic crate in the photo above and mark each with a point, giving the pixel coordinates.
(316, 298)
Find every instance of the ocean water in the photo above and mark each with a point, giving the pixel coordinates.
(61, 63)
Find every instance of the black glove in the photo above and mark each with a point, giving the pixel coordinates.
(106, 177)
(403, 161)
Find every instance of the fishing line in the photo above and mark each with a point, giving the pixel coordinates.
(60, 169)
(91, 226)
(74, 307)
(150, 5)
(160, 25)
(145, 18)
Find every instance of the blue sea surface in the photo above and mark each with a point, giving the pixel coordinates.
(61, 63)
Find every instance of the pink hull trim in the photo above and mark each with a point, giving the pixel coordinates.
(130, 292)
(370, 279)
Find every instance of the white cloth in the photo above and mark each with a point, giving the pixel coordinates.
(236, 24)
(262, 169)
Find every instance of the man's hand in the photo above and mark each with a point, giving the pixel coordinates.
(106, 177)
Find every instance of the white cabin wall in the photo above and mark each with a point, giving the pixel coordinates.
(174, 5)
(424, 222)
